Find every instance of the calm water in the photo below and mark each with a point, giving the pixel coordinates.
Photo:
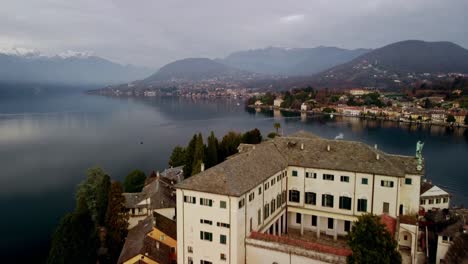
(47, 143)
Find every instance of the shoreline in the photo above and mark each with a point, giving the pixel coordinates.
(399, 120)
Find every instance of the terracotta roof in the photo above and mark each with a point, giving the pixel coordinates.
(134, 243)
(314, 246)
(253, 165)
(425, 186)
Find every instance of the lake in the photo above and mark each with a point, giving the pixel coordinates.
(47, 142)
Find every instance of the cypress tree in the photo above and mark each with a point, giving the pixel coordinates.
(212, 151)
(189, 152)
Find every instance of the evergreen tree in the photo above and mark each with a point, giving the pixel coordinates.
(252, 137)
(92, 194)
(135, 181)
(229, 144)
(370, 242)
(116, 221)
(177, 157)
(189, 153)
(199, 154)
(212, 151)
(450, 119)
(74, 240)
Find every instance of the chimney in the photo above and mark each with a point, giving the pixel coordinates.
(378, 156)
(202, 167)
(302, 146)
(328, 147)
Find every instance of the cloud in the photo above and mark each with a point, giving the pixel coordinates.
(295, 18)
(155, 32)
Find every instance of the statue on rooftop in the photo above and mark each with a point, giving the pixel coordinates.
(419, 148)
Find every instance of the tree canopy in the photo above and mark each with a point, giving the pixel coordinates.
(135, 181)
(116, 221)
(177, 157)
(450, 119)
(370, 242)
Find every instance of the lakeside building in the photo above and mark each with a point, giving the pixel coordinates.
(152, 241)
(277, 102)
(433, 197)
(292, 200)
(359, 91)
(158, 192)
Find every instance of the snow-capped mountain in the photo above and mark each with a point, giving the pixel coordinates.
(70, 67)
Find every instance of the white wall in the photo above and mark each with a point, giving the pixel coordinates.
(189, 227)
(442, 248)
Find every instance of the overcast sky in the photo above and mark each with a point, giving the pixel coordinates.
(154, 32)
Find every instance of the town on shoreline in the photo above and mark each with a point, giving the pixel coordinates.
(370, 104)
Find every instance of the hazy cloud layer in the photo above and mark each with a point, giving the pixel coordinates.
(154, 32)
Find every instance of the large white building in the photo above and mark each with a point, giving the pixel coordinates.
(255, 206)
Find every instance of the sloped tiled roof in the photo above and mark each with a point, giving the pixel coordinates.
(245, 170)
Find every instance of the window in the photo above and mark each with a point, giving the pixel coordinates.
(222, 239)
(267, 185)
(445, 200)
(205, 262)
(278, 200)
(310, 198)
(298, 218)
(220, 224)
(362, 205)
(445, 238)
(259, 216)
(431, 201)
(405, 237)
(294, 196)
(190, 199)
(327, 200)
(312, 175)
(222, 256)
(386, 208)
(206, 202)
(364, 181)
(294, 173)
(190, 260)
(207, 222)
(345, 202)
(206, 236)
(259, 190)
(272, 206)
(437, 201)
(251, 196)
(347, 226)
(344, 178)
(273, 181)
(328, 177)
(222, 204)
(190, 249)
(408, 181)
(423, 201)
(283, 197)
(241, 203)
(388, 184)
(266, 211)
(314, 220)
(330, 223)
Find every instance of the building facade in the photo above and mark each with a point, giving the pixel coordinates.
(300, 185)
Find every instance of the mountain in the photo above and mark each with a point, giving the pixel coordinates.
(65, 69)
(400, 62)
(287, 61)
(193, 69)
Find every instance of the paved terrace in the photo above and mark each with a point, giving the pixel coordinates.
(308, 241)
